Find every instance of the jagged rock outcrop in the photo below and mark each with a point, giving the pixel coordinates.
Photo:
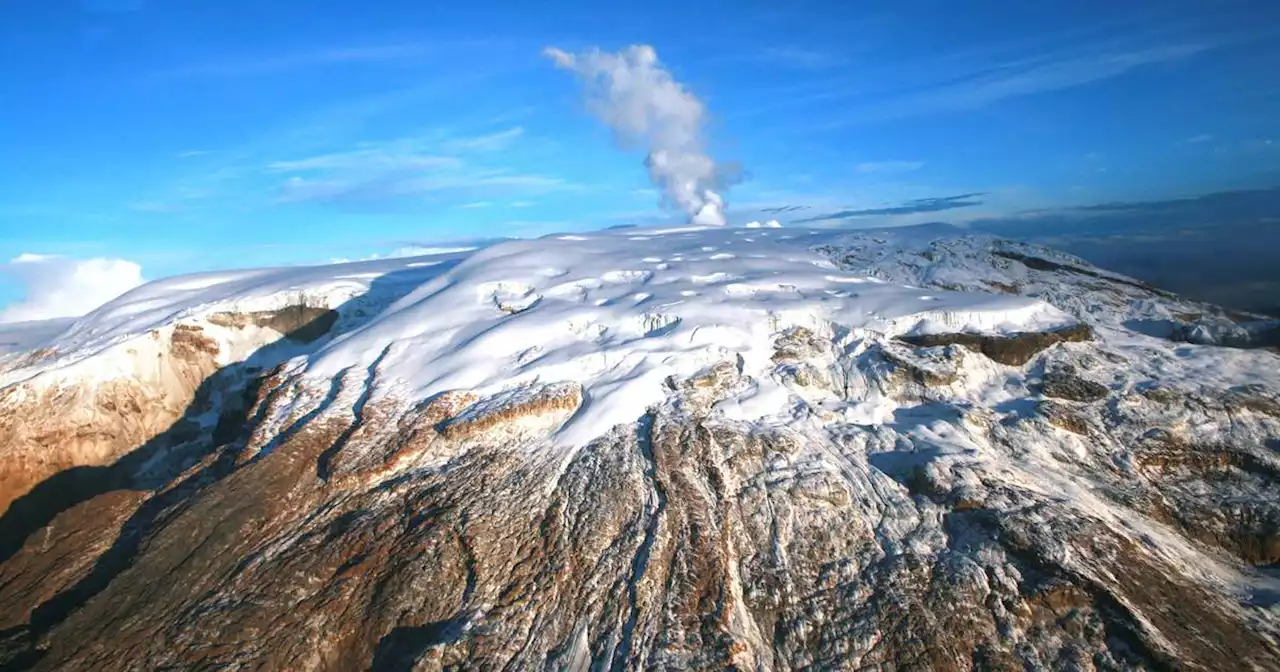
(1067, 385)
(1012, 349)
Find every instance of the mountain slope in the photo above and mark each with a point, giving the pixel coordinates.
(699, 448)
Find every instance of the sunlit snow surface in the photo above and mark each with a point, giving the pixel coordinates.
(617, 311)
(21, 336)
(621, 311)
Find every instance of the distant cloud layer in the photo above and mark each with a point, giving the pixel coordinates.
(1220, 205)
(937, 204)
(62, 287)
(1217, 247)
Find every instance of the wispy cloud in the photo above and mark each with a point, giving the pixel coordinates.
(385, 189)
(974, 81)
(798, 57)
(371, 159)
(1050, 73)
(922, 205)
(156, 207)
(889, 166)
(441, 168)
(181, 199)
(1198, 139)
(246, 66)
(783, 208)
(485, 143)
(405, 154)
(467, 58)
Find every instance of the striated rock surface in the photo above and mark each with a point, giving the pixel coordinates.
(807, 476)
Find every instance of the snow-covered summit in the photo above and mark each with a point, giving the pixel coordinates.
(617, 312)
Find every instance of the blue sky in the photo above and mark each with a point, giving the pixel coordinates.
(189, 134)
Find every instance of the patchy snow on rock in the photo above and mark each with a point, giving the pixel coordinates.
(618, 313)
(619, 324)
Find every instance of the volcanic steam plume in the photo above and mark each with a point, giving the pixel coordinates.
(632, 93)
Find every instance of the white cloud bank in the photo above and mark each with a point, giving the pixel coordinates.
(61, 287)
(643, 104)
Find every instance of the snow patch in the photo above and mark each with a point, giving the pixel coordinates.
(624, 277)
(712, 278)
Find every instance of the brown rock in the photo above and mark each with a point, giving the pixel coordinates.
(301, 323)
(1014, 350)
(1061, 385)
(558, 400)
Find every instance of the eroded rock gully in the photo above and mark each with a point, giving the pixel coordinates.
(679, 542)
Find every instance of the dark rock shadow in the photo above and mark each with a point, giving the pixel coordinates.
(1166, 329)
(153, 466)
(1264, 598)
(400, 649)
(1017, 409)
(905, 466)
(910, 418)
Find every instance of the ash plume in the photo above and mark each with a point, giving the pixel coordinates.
(644, 105)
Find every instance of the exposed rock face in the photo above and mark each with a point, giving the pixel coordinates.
(929, 366)
(952, 502)
(552, 404)
(298, 322)
(1014, 350)
(1065, 385)
(49, 427)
